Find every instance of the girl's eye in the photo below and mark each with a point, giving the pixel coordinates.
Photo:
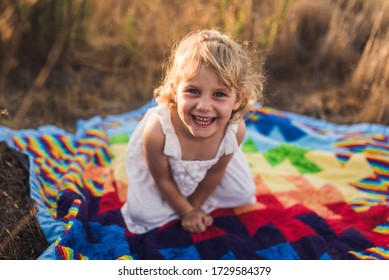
(219, 94)
(194, 91)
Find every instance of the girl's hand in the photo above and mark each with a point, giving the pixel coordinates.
(196, 221)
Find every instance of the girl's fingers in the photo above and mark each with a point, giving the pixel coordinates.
(197, 225)
(209, 221)
(201, 228)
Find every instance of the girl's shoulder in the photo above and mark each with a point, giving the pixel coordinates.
(241, 131)
(153, 127)
(156, 116)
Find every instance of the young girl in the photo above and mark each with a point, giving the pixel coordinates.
(183, 160)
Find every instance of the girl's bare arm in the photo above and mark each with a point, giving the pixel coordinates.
(154, 141)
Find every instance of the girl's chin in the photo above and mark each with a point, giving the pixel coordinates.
(201, 130)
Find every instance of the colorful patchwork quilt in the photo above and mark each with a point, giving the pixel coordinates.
(322, 192)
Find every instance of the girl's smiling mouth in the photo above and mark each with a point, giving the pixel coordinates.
(203, 121)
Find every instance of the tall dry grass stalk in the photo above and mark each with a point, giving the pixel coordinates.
(371, 76)
(11, 29)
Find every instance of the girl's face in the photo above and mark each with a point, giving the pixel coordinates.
(205, 104)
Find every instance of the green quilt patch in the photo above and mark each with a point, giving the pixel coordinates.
(296, 156)
(249, 146)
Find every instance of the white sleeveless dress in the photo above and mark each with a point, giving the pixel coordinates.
(145, 209)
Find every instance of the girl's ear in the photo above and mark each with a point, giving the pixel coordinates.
(238, 101)
(173, 92)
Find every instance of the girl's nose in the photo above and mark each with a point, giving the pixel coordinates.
(204, 105)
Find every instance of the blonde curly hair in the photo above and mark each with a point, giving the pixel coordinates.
(230, 60)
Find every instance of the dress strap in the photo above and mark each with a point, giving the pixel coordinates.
(229, 144)
(172, 145)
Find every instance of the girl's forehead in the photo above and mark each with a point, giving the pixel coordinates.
(198, 71)
(204, 77)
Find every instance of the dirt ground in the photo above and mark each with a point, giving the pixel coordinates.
(21, 237)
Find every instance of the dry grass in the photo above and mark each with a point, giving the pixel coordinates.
(324, 58)
(335, 54)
